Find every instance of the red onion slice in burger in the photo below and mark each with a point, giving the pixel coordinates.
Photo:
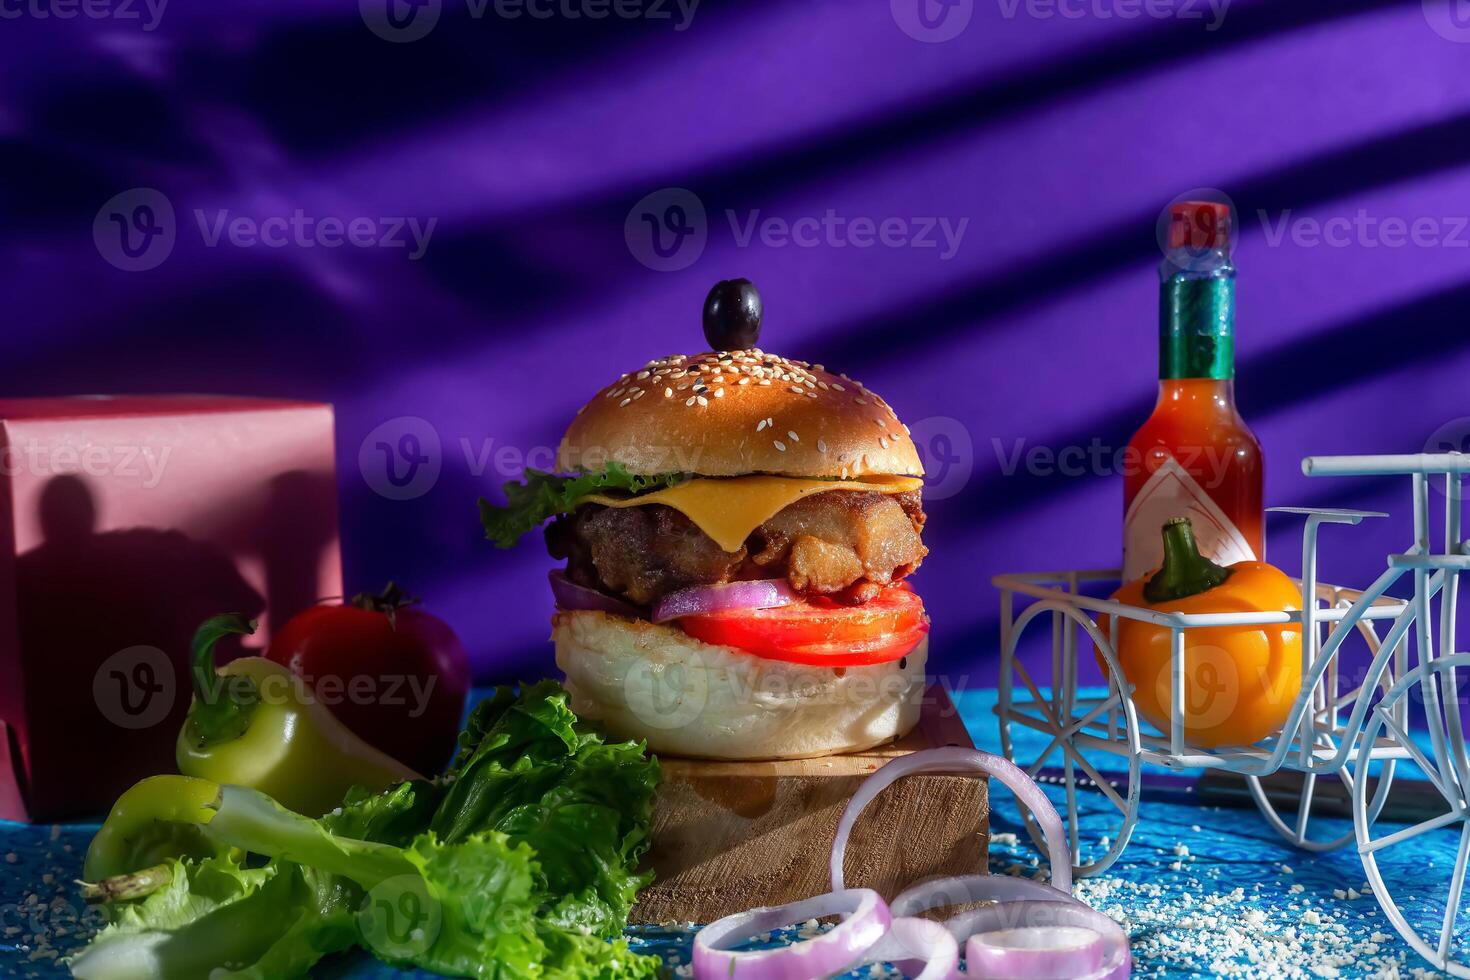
(698, 600)
(570, 595)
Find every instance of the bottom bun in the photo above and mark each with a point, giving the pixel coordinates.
(696, 699)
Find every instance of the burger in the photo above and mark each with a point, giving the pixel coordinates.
(738, 531)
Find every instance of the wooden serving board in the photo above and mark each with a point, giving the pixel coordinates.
(729, 836)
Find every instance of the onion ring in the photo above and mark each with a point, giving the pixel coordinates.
(1039, 941)
(920, 948)
(938, 893)
(865, 921)
(959, 761)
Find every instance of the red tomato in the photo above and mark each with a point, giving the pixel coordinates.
(820, 631)
(395, 675)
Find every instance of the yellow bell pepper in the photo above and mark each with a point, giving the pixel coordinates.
(157, 819)
(254, 723)
(1240, 681)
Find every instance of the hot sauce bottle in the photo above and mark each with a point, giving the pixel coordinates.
(1195, 457)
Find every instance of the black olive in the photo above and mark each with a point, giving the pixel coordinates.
(732, 315)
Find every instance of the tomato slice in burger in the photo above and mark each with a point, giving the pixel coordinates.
(819, 631)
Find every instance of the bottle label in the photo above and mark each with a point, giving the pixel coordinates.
(1171, 492)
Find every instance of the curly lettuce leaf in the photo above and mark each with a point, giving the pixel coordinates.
(543, 495)
(524, 858)
(583, 805)
(217, 917)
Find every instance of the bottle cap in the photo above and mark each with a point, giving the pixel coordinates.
(1199, 225)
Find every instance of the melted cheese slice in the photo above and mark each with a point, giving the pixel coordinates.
(728, 510)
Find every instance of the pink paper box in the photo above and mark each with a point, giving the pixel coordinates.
(126, 522)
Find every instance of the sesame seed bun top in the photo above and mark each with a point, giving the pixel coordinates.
(734, 413)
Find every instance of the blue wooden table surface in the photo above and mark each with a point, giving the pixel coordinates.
(1202, 891)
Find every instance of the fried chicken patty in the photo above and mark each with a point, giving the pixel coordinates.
(847, 544)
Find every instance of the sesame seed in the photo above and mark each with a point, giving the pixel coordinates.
(624, 403)
(780, 445)
(861, 401)
(793, 436)
(639, 395)
(668, 392)
(703, 400)
(720, 393)
(811, 394)
(689, 402)
(883, 443)
(642, 375)
(837, 387)
(765, 381)
(760, 425)
(745, 381)
(796, 389)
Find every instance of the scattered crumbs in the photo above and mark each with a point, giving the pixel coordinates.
(1286, 869)
(1194, 827)
(1189, 926)
(11, 857)
(1005, 840)
(1181, 850)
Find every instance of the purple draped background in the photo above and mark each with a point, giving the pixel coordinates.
(980, 188)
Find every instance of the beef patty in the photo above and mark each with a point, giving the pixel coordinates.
(847, 544)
